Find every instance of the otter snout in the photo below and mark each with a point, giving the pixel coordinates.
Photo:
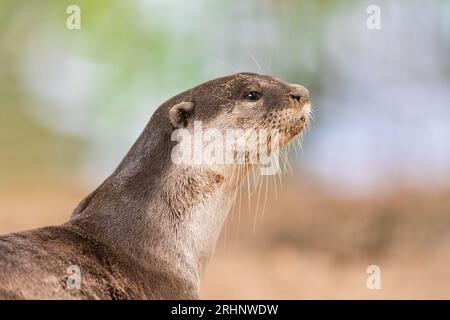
(299, 93)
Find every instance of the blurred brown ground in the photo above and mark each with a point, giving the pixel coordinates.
(309, 244)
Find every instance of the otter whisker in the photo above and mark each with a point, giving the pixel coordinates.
(225, 236)
(300, 142)
(265, 200)
(257, 203)
(274, 180)
(288, 152)
(256, 62)
(248, 191)
(286, 163)
(255, 180)
(279, 175)
(296, 146)
(229, 66)
(235, 192)
(283, 161)
(240, 202)
(269, 66)
(312, 115)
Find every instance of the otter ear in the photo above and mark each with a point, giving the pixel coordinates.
(179, 114)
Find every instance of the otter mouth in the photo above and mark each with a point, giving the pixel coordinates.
(296, 128)
(297, 122)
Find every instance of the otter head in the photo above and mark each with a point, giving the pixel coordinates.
(240, 121)
(239, 118)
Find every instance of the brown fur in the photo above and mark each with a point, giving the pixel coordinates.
(149, 229)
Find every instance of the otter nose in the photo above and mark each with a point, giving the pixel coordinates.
(299, 92)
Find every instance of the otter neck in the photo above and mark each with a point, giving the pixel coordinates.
(171, 214)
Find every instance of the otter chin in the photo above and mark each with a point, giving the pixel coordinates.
(301, 120)
(148, 230)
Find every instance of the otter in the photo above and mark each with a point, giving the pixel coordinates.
(149, 229)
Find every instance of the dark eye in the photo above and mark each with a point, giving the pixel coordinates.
(253, 96)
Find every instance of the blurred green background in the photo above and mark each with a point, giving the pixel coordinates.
(372, 183)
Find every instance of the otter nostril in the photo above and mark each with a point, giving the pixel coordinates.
(298, 92)
(297, 97)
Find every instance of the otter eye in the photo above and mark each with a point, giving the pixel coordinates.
(253, 96)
